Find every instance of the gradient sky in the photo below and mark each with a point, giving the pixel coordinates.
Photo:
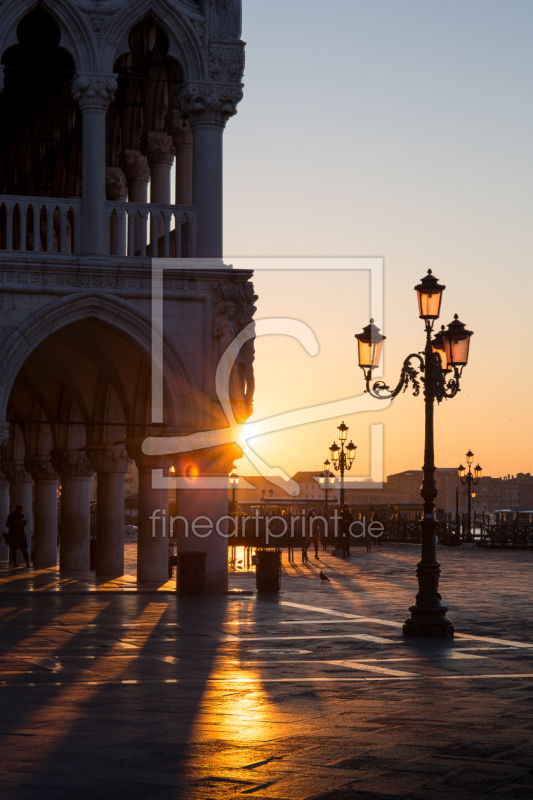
(402, 130)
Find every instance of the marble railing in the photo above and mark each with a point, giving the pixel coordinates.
(39, 224)
(53, 225)
(133, 227)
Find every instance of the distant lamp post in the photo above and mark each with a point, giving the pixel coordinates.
(445, 353)
(234, 481)
(173, 508)
(326, 481)
(468, 479)
(342, 457)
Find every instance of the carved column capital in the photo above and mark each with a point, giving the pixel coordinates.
(116, 185)
(72, 464)
(144, 462)
(158, 148)
(15, 472)
(205, 103)
(108, 459)
(134, 165)
(40, 468)
(179, 128)
(94, 92)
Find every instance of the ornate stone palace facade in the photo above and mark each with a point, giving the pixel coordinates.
(103, 102)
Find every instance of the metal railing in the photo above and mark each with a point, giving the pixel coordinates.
(507, 536)
(496, 536)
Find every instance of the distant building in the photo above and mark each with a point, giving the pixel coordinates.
(310, 488)
(410, 481)
(313, 495)
(492, 494)
(262, 489)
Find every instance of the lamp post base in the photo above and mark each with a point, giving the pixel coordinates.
(424, 627)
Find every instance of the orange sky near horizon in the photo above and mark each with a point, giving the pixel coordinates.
(336, 305)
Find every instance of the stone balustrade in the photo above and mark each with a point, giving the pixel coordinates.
(133, 227)
(39, 224)
(53, 225)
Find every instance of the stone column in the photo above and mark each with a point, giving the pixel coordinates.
(94, 93)
(45, 502)
(158, 148)
(4, 511)
(20, 490)
(204, 510)
(137, 172)
(152, 539)
(179, 128)
(203, 522)
(116, 189)
(110, 465)
(208, 107)
(4, 438)
(75, 531)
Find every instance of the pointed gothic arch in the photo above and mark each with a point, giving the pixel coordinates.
(118, 317)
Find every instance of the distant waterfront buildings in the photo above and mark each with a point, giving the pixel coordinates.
(492, 494)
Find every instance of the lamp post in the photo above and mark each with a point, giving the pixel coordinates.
(342, 459)
(469, 480)
(446, 353)
(326, 480)
(234, 480)
(173, 507)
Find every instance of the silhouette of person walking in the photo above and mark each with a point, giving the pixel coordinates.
(16, 526)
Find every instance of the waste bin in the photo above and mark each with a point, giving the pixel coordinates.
(268, 570)
(191, 573)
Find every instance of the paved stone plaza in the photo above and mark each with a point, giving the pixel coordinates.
(310, 694)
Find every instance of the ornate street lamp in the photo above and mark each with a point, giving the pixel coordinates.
(234, 480)
(440, 365)
(469, 480)
(327, 482)
(342, 458)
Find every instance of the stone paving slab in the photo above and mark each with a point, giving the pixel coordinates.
(310, 694)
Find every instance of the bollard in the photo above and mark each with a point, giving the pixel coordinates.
(268, 570)
(191, 573)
